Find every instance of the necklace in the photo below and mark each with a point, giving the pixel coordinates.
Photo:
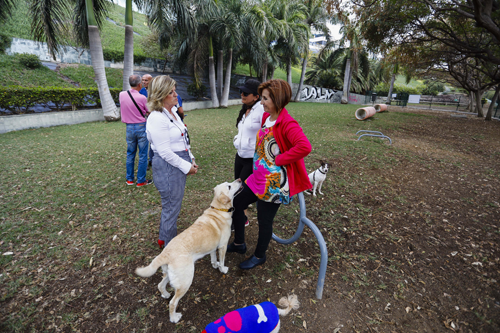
(187, 141)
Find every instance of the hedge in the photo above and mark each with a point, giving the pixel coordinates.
(20, 99)
(118, 56)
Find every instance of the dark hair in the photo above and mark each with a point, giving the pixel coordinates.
(279, 92)
(244, 109)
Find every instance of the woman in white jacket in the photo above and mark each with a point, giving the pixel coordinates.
(173, 159)
(249, 122)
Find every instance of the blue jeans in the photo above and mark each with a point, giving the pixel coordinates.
(136, 137)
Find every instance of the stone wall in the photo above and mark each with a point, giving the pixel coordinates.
(72, 55)
(49, 119)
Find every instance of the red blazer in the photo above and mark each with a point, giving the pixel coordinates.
(294, 146)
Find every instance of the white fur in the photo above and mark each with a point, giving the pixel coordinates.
(209, 233)
(317, 177)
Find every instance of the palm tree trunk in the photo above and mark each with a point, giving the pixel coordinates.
(264, 71)
(389, 96)
(345, 97)
(220, 73)
(289, 71)
(302, 75)
(211, 74)
(109, 108)
(272, 73)
(128, 56)
(479, 106)
(128, 53)
(227, 83)
(492, 104)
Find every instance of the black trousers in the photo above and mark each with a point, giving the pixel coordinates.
(266, 211)
(242, 167)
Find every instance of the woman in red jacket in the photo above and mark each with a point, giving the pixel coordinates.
(279, 171)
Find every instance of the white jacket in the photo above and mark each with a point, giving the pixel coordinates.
(245, 140)
(168, 135)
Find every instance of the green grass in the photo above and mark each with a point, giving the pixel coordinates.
(15, 74)
(65, 199)
(112, 36)
(401, 79)
(278, 73)
(84, 75)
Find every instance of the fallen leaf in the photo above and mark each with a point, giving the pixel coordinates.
(304, 324)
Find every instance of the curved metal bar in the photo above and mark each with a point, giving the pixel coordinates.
(365, 131)
(376, 136)
(321, 242)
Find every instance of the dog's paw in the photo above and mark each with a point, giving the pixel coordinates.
(321, 193)
(215, 264)
(307, 192)
(314, 194)
(223, 269)
(175, 317)
(165, 295)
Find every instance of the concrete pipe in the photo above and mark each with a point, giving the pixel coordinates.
(365, 113)
(380, 107)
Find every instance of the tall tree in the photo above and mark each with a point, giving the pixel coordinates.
(317, 18)
(128, 53)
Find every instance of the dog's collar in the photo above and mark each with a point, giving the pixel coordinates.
(321, 172)
(224, 210)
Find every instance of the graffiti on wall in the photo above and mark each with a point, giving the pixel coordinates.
(319, 93)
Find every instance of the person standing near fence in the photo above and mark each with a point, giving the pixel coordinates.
(279, 170)
(173, 159)
(133, 113)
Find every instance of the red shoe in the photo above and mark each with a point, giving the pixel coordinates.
(247, 223)
(161, 244)
(130, 182)
(147, 182)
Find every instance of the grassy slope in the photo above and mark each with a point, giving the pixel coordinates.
(84, 75)
(15, 74)
(278, 74)
(401, 79)
(113, 36)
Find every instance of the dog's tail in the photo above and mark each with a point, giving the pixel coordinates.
(289, 303)
(151, 269)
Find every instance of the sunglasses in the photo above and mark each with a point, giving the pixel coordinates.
(244, 93)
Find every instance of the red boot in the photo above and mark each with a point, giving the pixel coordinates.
(161, 244)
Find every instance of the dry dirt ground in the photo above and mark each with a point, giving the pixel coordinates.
(424, 257)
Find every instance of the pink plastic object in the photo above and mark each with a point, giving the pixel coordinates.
(365, 113)
(380, 107)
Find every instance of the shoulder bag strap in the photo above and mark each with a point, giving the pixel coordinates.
(137, 106)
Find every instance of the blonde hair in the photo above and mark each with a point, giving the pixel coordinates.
(279, 92)
(158, 89)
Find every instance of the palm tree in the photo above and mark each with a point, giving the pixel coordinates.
(293, 32)
(316, 17)
(352, 36)
(128, 53)
(6, 7)
(49, 24)
(228, 27)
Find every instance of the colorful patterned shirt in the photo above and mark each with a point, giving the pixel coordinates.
(268, 182)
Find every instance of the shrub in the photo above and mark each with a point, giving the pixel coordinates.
(4, 42)
(197, 91)
(382, 89)
(29, 60)
(20, 99)
(118, 56)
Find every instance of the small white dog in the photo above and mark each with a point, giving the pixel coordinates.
(209, 233)
(317, 177)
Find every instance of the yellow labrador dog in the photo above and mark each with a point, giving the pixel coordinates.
(209, 233)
